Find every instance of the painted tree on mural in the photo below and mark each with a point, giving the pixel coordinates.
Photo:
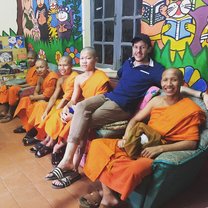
(19, 17)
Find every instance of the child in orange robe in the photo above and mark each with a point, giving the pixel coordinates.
(9, 95)
(43, 91)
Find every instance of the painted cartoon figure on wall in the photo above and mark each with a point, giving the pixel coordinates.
(179, 27)
(200, 14)
(27, 18)
(204, 36)
(41, 14)
(52, 19)
(153, 18)
(35, 30)
(65, 19)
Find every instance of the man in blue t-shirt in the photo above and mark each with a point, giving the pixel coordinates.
(136, 76)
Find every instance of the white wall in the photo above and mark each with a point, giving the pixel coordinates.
(8, 16)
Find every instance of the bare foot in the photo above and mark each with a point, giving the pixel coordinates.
(64, 165)
(109, 200)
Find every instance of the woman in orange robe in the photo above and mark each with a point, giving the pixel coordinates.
(43, 91)
(176, 118)
(91, 82)
(10, 95)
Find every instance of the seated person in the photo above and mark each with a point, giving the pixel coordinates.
(91, 82)
(175, 118)
(136, 76)
(9, 95)
(64, 88)
(44, 89)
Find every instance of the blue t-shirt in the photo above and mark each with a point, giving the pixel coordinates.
(133, 83)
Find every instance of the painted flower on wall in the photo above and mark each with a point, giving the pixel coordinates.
(74, 53)
(192, 78)
(58, 55)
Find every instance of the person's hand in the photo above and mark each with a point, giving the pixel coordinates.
(31, 97)
(121, 143)
(152, 152)
(65, 115)
(205, 99)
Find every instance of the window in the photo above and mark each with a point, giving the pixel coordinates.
(113, 24)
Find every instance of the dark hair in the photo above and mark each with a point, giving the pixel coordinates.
(141, 37)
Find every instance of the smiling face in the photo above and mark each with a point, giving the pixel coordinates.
(88, 59)
(64, 65)
(172, 80)
(140, 51)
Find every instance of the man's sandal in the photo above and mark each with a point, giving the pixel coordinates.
(91, 200)
(66, 181)
(57, 173)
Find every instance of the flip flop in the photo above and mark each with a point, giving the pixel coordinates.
(67, 181)
(27, 140)
(91, 200)
(43, 151)
(19, 129)
(57, 173)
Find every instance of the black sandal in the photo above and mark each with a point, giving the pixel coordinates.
(56, 158)
(19, 129)
(66, 181)
(27, 141)
(37, 147)
(43, 151)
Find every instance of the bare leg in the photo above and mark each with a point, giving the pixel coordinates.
(46, 140)
(79, 153)
(108, 197)
(9, 115)
(67, 161)
(3, 109)
(57, 147)
(50, 142)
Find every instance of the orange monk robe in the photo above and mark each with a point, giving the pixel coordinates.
(96, 84)
(117, 171)
(25, 106)
(40, 106)
(179, 121)
(11, 94)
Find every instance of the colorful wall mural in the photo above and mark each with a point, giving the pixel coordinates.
(179, 30)
(51, 27)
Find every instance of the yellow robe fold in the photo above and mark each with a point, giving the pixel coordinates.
(106, 162)
(96, 84)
